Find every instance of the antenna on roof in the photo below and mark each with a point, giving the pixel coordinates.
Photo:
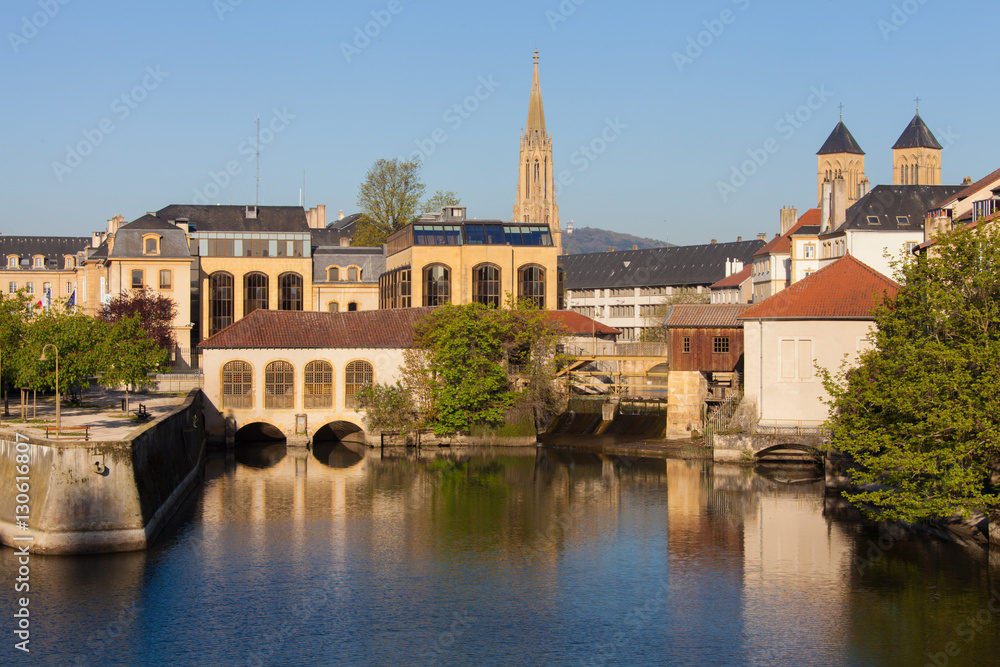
(257, 202)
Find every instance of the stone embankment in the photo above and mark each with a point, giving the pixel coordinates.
(106, 494)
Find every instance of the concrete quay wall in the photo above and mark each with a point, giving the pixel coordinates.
(98, 497)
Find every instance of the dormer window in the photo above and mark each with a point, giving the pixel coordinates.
(333, 274)
(39, 262)
(12, 262)
(151, 244)
(70, 262)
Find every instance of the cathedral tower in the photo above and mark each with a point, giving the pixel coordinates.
(916, 155)
(842, 157)
(536, 197)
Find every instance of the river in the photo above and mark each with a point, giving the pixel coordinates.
(511, 557)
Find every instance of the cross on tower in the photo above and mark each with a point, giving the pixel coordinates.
(841, 107)
(917, 100)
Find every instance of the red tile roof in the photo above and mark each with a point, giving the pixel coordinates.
(576, 324)
(846, 289)
(736, 279)
(972, 189)
(783, 243)
(693, 315)
(361, 329)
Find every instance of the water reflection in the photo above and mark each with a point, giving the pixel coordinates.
(535, 556)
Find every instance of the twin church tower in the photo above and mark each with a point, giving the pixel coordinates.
(916, 159)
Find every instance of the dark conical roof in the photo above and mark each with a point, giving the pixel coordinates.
(840, 141)
(917, 135)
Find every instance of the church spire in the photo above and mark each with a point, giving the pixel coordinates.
(535, 128)
(535, 202)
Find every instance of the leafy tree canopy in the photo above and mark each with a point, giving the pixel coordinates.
(389, 198)
(920, 414)
(439, 200)
(155, 311)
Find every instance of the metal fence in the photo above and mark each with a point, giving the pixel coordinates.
(722, 418)
(789, 427)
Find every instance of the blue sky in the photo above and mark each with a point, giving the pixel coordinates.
(126, 107)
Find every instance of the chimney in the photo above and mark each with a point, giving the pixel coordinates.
(714, 241)
(316, 217)
(251, 212)
(838, 209)
(341, 214)
(866, 187)
(635, 247)
(967, 180)
(824, 219)
(345, 241)
(611, 248)
(762, 236)
(739, 239)
(97, 238)
(788, 217)
(183, 224)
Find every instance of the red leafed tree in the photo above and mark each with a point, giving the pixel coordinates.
(156, 314)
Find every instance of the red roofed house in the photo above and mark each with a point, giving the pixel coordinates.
(735, 288)
(299, 371)
(817, 320)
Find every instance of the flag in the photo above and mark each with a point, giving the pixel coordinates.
(72, 300)
(38, 304)
(48, 299)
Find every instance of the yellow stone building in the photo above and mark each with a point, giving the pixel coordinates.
(916, 155)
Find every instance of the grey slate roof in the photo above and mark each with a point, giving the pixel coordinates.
(233, 218)
(840, 141)
(128, 239)
(347, 223)
(678, 265)
(917, 135)
(888, 202)
(53, 247)
(327, 238)
(370, 260)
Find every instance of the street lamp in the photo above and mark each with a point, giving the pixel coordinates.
(43, 358)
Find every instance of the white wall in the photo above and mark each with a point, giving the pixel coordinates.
(779, 361)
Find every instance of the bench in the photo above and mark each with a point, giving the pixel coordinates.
(142, 413)
(67, 433)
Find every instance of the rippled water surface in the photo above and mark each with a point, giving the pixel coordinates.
(526, 557)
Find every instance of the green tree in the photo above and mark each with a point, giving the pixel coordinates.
(129, 354)
(389, 199)
(14, 317)
(78, 337)
(465, 358)
(439, 200)
(920, 414)
(388, 407)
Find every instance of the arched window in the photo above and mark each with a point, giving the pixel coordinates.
(289, 291)
(333, 274)
(279, 386)
(486, 285)
(531, 284)
(254, 292)
(352, 307)
(333, 307)
(437, 285)
(358, 374)
(353, 274)
(318, 385)
(220, 302)
(237, 385)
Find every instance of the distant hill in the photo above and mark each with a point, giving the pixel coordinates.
(591, 239)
